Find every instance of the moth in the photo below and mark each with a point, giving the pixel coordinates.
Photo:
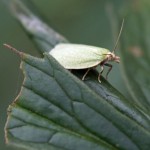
(78, 56)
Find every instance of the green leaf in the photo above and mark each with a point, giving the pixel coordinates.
(56, 110)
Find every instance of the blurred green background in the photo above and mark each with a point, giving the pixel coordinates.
(79, 21)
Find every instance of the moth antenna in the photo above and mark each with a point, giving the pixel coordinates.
(118, 36)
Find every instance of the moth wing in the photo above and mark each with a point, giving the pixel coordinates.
(77, 56)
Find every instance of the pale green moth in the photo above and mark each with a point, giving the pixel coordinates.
(78, 56)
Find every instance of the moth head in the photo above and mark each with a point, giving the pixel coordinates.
(113, 57)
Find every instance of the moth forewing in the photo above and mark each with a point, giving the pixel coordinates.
(77, 56)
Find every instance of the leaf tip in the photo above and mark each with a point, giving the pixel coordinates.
(13, 49)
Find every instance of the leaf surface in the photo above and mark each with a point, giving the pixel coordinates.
(56, 110)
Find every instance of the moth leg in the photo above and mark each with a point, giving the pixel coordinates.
(99, 76)
(86, 73)
(110, 68)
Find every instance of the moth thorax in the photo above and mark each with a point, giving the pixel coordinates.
(113, 57)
